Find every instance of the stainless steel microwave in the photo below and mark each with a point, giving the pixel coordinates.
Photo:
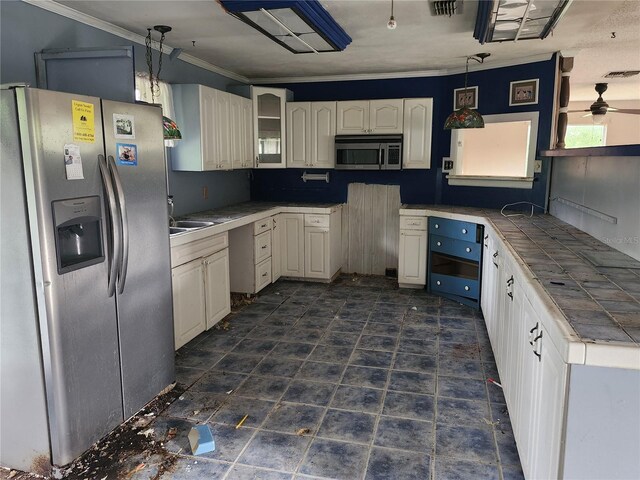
(368, 152)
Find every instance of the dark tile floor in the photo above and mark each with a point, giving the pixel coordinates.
(353, 380)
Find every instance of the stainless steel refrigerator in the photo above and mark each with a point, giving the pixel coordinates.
(86, 305)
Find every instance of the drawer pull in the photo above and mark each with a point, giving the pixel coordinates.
(437, 226)
(437, 282)
(468, 250)
(466, 287)
(495, 254)
(263, 247)
(464, 230)
(263, 225)
(439, 244)
(264, 274)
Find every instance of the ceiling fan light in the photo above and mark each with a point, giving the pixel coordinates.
(598, 118)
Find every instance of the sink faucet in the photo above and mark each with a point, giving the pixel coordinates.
(172, 221)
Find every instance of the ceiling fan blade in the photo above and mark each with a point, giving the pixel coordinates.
(587, 115)
(632, 111)
(575, 111)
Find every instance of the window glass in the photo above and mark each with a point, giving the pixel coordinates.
(585, 136)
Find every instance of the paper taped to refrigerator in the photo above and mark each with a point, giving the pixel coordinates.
(73, 162)
(84, 127)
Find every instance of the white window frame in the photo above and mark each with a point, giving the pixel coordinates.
(456, 177)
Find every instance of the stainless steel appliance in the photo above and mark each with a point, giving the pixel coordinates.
(368, 152)
(86, 310)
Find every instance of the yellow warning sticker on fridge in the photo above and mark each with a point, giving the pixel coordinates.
(84, 128)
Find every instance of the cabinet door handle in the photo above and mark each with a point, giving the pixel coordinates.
(437, 282)
(510, 281)
(468, 250)
(495, 254)
(464, 231)
(538, 355)
(436, 226)
(466, 287)
(439, 244)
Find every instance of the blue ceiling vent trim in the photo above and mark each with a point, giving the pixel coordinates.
(514, 20)
(300, 26)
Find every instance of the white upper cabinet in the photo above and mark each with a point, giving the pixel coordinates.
(213, 127)
(298, 134)
(418, 113)
(311, 128)
(269, 126)
(223, 129)
(369, 116)
(353, 117)
(323, 132)
(385, 116)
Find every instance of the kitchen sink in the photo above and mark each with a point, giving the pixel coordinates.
(174, 230)
(192, 224)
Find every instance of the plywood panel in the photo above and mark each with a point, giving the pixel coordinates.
(345, 238)
(378, 210)
(355, 200)
(392, 226)
(371, 220)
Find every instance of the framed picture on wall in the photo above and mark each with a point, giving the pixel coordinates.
(523, 92)
(465, 97)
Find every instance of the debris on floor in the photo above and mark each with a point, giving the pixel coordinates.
(239, 300)
(303, 431)
(242, 421)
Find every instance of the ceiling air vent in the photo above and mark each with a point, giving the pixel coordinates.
(622, 74)
(445, 7)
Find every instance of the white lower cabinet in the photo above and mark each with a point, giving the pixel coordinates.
(532, 372)
(216, 283)
(188, 301)
(316, 252)
(276, 253)
(200, 276)
(292, 244)
(412, 257)
(250, 256)
(412, 252)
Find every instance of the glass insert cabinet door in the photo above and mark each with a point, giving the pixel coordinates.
(268, 125)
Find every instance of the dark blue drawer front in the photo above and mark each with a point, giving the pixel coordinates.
(457, 248)
(454, 285)
(453, 228)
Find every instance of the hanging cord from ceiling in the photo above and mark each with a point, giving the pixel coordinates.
(155, 79)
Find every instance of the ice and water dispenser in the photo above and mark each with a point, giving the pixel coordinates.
(78, 232)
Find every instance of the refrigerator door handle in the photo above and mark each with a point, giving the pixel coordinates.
(115, 224)
(124, 259)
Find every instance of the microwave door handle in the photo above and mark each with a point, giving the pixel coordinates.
(381, 158)
(114, 230)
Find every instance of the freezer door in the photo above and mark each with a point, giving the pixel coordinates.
(78, 326)
(22, 394)
(134, 141)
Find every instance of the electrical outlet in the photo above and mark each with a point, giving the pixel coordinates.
(205, 193)
(537, 166)
(447, 164)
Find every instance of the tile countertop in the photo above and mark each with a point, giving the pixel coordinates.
(601, 305)
(234, 216)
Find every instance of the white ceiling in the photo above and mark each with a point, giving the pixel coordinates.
(421, 42)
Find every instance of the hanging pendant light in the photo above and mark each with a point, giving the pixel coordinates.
(465, 117)
(392, 24)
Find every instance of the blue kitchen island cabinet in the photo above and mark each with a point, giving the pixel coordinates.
(455, 260)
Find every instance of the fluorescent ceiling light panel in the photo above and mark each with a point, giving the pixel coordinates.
(513, 20)
(300, 26)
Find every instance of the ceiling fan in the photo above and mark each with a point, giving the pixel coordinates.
(599, 108)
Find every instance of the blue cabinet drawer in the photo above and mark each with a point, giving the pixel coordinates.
(457, 248)
(446, 227)
(462, 287)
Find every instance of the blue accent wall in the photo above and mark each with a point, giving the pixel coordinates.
(422, 186)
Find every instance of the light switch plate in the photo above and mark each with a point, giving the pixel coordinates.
(447, 165)
(537, 166)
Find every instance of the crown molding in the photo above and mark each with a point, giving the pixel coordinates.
(94, 22)
(408, 74)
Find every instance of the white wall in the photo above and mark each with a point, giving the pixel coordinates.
(610, 185)
(622, 128)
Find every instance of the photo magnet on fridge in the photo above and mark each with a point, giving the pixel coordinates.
(127, 154)
(124, 126)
